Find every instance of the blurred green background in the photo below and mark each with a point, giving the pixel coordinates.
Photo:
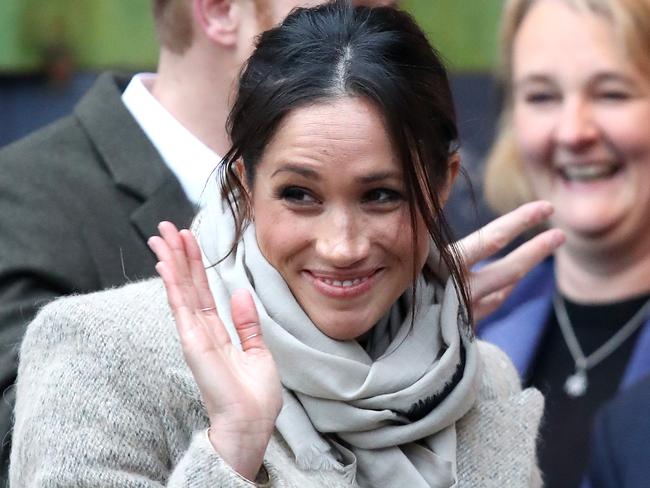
(97, 34)
(52, 50)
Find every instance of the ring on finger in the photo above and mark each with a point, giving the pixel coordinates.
(249, 337)
(208, 309)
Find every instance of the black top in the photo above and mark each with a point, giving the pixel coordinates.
(566, 427)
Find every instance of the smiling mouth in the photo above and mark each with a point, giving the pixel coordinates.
(585, 173)
(343, 288)
(344, 283)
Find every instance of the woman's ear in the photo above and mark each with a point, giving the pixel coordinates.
(241, 174)
(247, 199)
(452, 172)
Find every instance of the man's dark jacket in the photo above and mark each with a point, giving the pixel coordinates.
(78, 201)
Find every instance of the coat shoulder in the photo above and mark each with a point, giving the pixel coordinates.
(51, 167)
(499, 378)
(497, 437)
(129, 318)
(41, 149)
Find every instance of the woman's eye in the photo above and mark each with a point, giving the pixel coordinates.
(296, 194)
(540, 97)
(382, 195)
(613, 95)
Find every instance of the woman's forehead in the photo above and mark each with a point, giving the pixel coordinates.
(583, 41)
(345, 130)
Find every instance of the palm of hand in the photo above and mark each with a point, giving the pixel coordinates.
(240, 388)
(243, 390)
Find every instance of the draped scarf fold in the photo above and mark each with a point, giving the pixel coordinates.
(383, 413)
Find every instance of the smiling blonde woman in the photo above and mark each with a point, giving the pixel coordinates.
(575, 132)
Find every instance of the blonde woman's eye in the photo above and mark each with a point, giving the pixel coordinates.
(538, 98)
(614, 95)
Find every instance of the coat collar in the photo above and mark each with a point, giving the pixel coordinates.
(518, 326)
(129, 157)
(639, 365)
(497, 441)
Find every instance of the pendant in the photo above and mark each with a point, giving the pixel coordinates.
(576, 384)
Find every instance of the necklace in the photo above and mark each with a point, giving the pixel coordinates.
(576, 384)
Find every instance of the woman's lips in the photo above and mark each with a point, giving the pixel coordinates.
(343, 287)
(588, 173)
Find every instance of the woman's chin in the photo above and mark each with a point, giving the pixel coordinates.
(592, 216)
(589, 223)
(343, 326)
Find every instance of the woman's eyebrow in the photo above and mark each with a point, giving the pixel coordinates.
(313, 174)
(613, 76)
(298, 169)
(533, 78)
(379, 176)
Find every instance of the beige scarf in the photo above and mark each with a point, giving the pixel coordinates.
(383, 414)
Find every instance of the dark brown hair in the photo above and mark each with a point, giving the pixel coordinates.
(379, 54)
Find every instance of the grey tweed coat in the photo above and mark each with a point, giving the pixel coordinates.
(105, 399)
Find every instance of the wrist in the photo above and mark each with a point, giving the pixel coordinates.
(243, 451)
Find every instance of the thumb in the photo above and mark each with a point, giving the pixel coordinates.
(246, 320)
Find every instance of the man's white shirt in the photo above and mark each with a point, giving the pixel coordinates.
(191, 161)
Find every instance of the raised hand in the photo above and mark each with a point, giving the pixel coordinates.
(491, 284)
(240, 388)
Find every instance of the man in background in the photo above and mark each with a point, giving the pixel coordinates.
(79, 199)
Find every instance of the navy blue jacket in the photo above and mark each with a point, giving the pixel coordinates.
(621, 443)
(518, 327)
(519, 324)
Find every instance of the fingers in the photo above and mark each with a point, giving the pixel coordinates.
(507, 271)
(197, 272)
(246, 320)
(169, 249)
(490, 239)
(182, 256)
(176, 295)
(188, 293)
(485, 306)
(493, 283)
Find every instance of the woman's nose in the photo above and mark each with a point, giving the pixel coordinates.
(576, 126)
(342, 239)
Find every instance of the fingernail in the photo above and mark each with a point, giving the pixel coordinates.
(241, 293)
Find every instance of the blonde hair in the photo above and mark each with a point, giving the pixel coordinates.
(173, 20)
(506, 186)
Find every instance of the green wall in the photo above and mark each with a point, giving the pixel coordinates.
(119, 33)
(464, 31)
(98, 33)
